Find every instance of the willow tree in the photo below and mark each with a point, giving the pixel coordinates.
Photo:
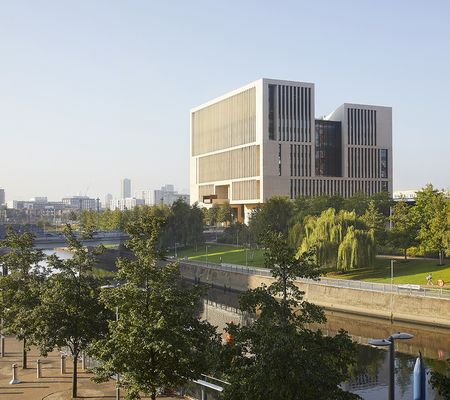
(357, 249)
(338, 240)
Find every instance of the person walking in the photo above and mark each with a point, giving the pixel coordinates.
(429, 279)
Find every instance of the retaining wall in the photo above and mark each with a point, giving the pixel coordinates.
(391, 306)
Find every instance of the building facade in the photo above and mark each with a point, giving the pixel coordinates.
(125, 204)
(125, 188)
(2, 197)
(263, 140)
(167, 195)
(82, 203)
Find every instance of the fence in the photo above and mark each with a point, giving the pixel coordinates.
(411, 290)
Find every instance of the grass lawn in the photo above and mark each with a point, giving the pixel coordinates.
(411, 271)
(226, 254)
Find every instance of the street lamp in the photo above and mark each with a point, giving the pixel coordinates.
(392, 273)
(390, 341)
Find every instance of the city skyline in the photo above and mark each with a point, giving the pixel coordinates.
(88, 84)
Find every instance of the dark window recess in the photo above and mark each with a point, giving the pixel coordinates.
(328, 148)
(384, 186)
(383, 163)
(272, 112)
(279, 160)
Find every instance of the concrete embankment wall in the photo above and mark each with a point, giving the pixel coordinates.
(398, 307)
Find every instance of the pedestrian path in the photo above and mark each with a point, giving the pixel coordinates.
(52, 385)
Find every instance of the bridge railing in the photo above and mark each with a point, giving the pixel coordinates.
(411, 290)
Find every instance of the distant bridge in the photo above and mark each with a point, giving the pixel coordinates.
(53, 242)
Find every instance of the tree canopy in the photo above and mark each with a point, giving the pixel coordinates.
(277, 356)
(157, 340)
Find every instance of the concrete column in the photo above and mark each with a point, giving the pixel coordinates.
(38, 368)
(63, 364)
(14, 380)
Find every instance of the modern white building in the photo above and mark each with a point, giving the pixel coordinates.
(263, 140)
(125, 204)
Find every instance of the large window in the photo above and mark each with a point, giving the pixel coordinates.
(383, 163)
(272, 112)
(328, 148)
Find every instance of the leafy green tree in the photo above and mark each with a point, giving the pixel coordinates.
(224, 213)
(70, 314)
(375, 221)
(157, 341)
(383, 202)
(274, 215)
(211, 215)
(440, 227)
(195, 226)
(20, 286)
(178, 222)
(90, 220)
(307, 206)
(358, 203)
(441, 381)
(431, 216)
(277, 356)
(404, 230)
(339, 240)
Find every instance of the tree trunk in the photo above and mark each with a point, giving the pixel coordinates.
(153, 394)
(441, 257)
(405, 254)
(75, 377)
(24, 354)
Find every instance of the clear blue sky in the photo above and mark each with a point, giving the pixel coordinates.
(92, 91)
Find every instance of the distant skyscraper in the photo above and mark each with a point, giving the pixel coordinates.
(125, 188)
(2, 196)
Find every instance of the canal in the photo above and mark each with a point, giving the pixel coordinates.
(369, 377)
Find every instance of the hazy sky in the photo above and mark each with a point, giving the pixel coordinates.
(93, 91)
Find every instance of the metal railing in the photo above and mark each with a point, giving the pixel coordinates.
(411, 290)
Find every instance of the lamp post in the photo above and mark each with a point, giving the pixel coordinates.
(206, 255)
(392, 273)
(392, 286)
(391, 343)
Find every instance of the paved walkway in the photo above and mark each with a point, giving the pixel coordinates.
(53, 385)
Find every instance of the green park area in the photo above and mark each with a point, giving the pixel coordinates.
(411, 271)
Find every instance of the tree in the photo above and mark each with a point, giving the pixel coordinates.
(70, 314)
(358, 203)
(274, 215)
(157, 341)
(339, 240)
(375, 221)
(211, 215)
(195, 226)
(20, 286)
(404, 230)
(439, 228)
(441, 382)
(276, 356)
(224, 213)
(431, 214)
